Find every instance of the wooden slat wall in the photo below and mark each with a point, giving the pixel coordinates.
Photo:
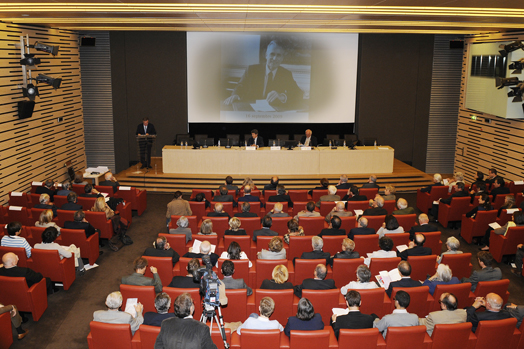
(489, 141)
(37, 148)
(97, 100)
(445, 95)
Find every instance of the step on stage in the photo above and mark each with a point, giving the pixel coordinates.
(404, 178)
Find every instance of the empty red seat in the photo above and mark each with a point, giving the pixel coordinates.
(460, 333)
(17, 198)
(236, 308)
(375, 222)
(89, 247)
(361, 338)
(344, 270)
(313, 339)
(348, 223)
(220, 225)
(87, 203)
(433, 241)
(357, 205)
(298, 245)
(6, 336)
(326, 207)
(399, 239)
(454, 211)
(406, 221)
(390, 206)
(425, 200)
(495, 333)
(370, 193)
(20, 214)
(365, 244)
(323, 302)
(198, 209)
(312, 225)
(298, 195)
(280, 225)
(421, 266)
(256, 339)
(476, 227)
(146, 335)
(49, 264)
(250, 224)
(333, 244)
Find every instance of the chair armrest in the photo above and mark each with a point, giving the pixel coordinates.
(235, 340)
(284, 341)
(136, 342)
(38, 297)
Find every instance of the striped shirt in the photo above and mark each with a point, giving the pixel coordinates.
(16, 241)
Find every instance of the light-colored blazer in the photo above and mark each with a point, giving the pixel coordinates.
(265, 254)
(395, 320)
(118, 317)
(456, 316)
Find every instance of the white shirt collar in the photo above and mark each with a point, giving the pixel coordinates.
(189, 317)
(400, 311)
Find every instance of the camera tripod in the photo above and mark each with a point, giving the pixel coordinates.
(209, 312)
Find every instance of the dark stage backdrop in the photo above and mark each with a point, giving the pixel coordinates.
(148, 71)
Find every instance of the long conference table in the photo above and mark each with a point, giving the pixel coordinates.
(239, 161)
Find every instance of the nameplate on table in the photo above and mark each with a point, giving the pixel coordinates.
(124, 188)
(251, 148)
(15, 208)
(305, 148)
(16, 193)
(36, 184)
(275, 148)
(518, 182)
(383, 148)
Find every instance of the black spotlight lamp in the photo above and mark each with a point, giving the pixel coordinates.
(516, 93)
(514, 46)
(46, 48)
(517, 66)
(31, 91)
(29, 60)
(55, 82)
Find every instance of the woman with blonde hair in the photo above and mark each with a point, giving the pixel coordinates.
(279, 281)
(101, 206)
(46, 220)
(206, 228)
(249, 181)
(234, 225)
(275, 250)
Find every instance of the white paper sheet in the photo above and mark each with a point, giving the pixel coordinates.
(262, 105)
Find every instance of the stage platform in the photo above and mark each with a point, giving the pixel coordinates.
(404, 178)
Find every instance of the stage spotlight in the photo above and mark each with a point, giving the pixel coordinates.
(30, 60)
(501, 82)
(55, 82)
(514, 46)
(31, 91)
(517, 65)
(516, 93)
(46, 48)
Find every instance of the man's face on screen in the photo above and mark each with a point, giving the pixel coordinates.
(274, 56)
(145, 122)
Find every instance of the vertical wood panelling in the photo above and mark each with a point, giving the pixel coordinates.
(445, 96)
(489, 141)
(95, 62)
(37, 148)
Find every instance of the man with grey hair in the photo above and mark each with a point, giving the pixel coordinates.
(343, 182)
(277, 211)
(218, 211)
(308, 212)
(46, 204)
(317, 283)
(338, 210)
(114, 316)
(437, 181)
(245, 207)
(205, 249)
(372, 182)
(162, 304)
(402, 205)
(182, 228)
(361, 229)
(363, 283)
(449, 313)
(453, 244)
(422, 227)
(493, 303)
(332, 195)
(317, 253)
(66, 189)
(377, 209)
(308, 139)
(110, 181)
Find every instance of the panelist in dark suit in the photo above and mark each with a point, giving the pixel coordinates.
(317, 283)
(405, 271)
(145, 129)
(255, 139)
(493, 303)
(162, 304)
(354, 319)
(308, 140)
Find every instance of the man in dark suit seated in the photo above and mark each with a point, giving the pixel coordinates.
(188, 280)
(162, 249)
(493, 303)
(110, 181)
(405, 271)
(354, 319)
(377, 209)
(353, 195)
(334, 228)
(423, 227)
(66, 189)
(162, 305)
(138, 278)
(245, 207)
(11, 269)
(272, 184)
(324, 183)
(49, 188)
(224, 196)
(498, 188)
(317, 283)
(267, 222)
(372, 182)
(416, 248)
(71, 204)
(361, 229)
(46, 204)
(343, 182)
(228, 269)
(317, 253)
(248, 197)
(403, 208)
(437, 182)
(281, 196)
(486, 273)
(492, 175)
(459, 193)
(218, 211)
(230, 186)
(90, 192)
(205, 249)
(308, 140)
(255, 139)
(80, 222)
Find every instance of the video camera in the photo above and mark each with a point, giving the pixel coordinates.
(209, 283)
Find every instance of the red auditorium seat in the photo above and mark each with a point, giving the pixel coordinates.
(414, 337)
(333, 244)
(421, 266)
(460, 333)
(370, 193)
(23, 261)
(318, 193)
(304, 269)
(284, 300)
(280, 225)
(145, 294)
(345, 270)
(35, 199)
(420, 299)
(499, 201)
(164, 267)
(87, 203)
(14, 290)
(20, 214)
(17, 198)
(365, 244)
(207, 192)
(236, 308)
(313, 339)
(298, 245)
(379, 264)
(425, 200)
(48, 263)
(256, 339)
(65, 216)
(495, 333)
(181, 266)
(471, 228)
(501, 245)
(433, 241)
(89, 247)
(348, 223)
(176, 241)
(59, 201)
(454, 211)
(504, 218)
(250, 224)
(105, 189)
(375, 301)
(461, 291)
(499, 287)
(406, 221)
(459, 263)
(312, 225)
(399, 239)
(361, 338)
(216, 337)
(326, 207)
(375, 222)
(390, 206)
(298, 195)
(146, 335)
(323, 302)
(220, 225)
(268, 193)
(100, 222)
(6, 335)
(198, 209)
(298, 206)
(357, 205)
(115, 336)
(254, 208)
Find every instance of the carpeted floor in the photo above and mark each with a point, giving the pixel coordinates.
(65, 324)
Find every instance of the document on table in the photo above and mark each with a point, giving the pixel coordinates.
(262, 105)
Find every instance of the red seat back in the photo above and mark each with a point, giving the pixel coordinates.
(370, 193)
(87, 203)
(323, 302)
(283, 303)
(198, 209)
(177, 242)
(48, 263)
(397, 336)
(254, 208)
(192, 220)
(459, 332)
(145, 294)
(264, 268)
(499, 287)
(433, 242)
(243, 240)
(461, 291)
(22, 215)
(309, 339)
(399, 239)
(390, 206)
(357, 205)
(89, 247)
(348, 223)
(260, 339)
(516, 188)
(148, 334)
(250, 224)
(58, 200)
(379, 264)
(19, 199)
(298, 206)
(100, 222)
(23, 261)
(105, 335)
(499, 200)
(375, 301)
(268, 193)
(6, 336)
(375, 222)
(459, 264)
(14, 290)
(406, 221)
(421, 266)
(318, 193)
(297, 195)
(312, 225)
(207, 192)
(304, 269)
(420, 299)
(360, 338)
(36, 234)
(174, 292)
(182, 263)
(105, 189)
(280, 225)
(78, 188)
(365, 244)
(164, 266)
(326, 207)
(504, 218)
(220, 225)
(35, 199)
(333, 244)
(236, 309)
(229, 192)
(65, 216)
(298, 245)
(345, 270)
(495, 333)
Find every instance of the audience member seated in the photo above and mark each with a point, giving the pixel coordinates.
(452, 245)
(182, 224)
(48, 188)
(385, 244)
(80, 223)
(205, 250)
(437, 182)
(416, 248)
(79, 179)
(403, 208)
(449, 313)
(101, 206)
(459, 193)
(330, 197)
(187, 281)
(110, 181)
(484, 205)
(333, 228)
(267, 222)
(338, 210)
(46, 204)
(71, 204)
(230, 186)
(517, 220)
(10, 268)
(354, 195)
(405, 271)
(247, 196)
(422, 227)
(498, 187)
(262, 322)
(138, 278)
(308, 212)
(234, 227)
(518, 260)
(480, 179)
(363, 283)
(377, 209)
(388, 193)
(372, 182)
(66, 189)
(201, 197)
(443, 276)
(457, 178)
(390, 226)
(354, 319)
(317, 253)
(492, 175)
(206, 228)
(319, 281)
(279, 281)
(162, 304)
(228, 269)
(348, 251)
(509, 202)
(218, 211)
(235, 253)
(493, 303)
(277, 211)
(486, 273)
(275, 250)
(49, 236)
(245, 207)
(324, 183)
(13, 238)
(343, 182)
(361, 229)
(249, 181)
(224, 196)
(400, 316)
(90, 192)
(115, 316)
(293, 229)
(481, 189)
(16, 319)
(273, 182)
(182, 331)
(161, 248)
(305, 320)
(177, 207)
(281, 196)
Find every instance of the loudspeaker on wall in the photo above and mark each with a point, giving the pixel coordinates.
(25, 109)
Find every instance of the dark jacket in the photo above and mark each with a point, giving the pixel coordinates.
(281, 198)
(425, 228)
(153, 252)
(312, 284)
(295, 324)
(69, 206)
(404, 282)
(87, 227)
(316, 255)
(415, 251)
(375, 211)
(213, 256)
(184, 333)
(264, 232)
(332, 232)
(353, 320)
(183, 282)
(361, 231)
(475, 316)
(272, 285)
(155, 319)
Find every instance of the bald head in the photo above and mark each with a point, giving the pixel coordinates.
(402, 204)
(9, 260)
(205, 247)
(420, 239)
(340, 206)
(493, 302)
(423, 218)
(108, 176)
(363, 222)
(332, 190)
(320, 271)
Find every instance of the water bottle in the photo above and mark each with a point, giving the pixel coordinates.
(375, 144)
(330, 143)
(273, 142)
(344, 143)
(245, 143)
(185, 145)
(219, 143)
(156, 172)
